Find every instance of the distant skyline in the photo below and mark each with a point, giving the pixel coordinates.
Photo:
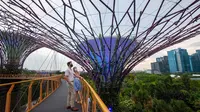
(36, 60)
(191, 45)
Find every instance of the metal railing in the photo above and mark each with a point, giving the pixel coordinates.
(22, 76)
(51, 84)
(91, 102)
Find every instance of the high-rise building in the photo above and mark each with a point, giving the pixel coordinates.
(155, 67)
(164, 68)
(178, 60)
(160, 66)
(198, 52)
(195, 61)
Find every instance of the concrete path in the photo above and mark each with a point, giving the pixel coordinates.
(56, 102)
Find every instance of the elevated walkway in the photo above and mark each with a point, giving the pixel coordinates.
(48, 94)
(56, 102)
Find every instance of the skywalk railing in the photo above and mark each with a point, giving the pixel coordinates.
(47, 85)
(22, 76)
(91, 102)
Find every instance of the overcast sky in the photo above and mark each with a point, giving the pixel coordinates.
(43, 59)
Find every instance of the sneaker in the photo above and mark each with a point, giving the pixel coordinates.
(74, 109)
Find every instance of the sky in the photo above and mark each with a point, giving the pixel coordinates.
(43, 59)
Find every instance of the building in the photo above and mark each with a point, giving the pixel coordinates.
(149, 71)
(195, 61)
(155, 67)
(160, 66)
(198, 51)
(178, 60)
(164, 68)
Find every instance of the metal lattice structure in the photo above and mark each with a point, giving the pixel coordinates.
(15, 48)
(107, 37)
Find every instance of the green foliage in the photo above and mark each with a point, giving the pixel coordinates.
(159, 93)
(89, 80)
(28, 72)
(143, 92)
(161, 106)
(180, 106)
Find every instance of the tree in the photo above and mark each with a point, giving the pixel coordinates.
(180, 106)
(186, 81)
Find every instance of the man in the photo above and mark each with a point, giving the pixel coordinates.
(69, 77)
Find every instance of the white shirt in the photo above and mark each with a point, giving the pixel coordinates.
(70, 74)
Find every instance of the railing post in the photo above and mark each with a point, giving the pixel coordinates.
(30, 95)
(83, 96)
(51, 85)
(87, 96)
(47, 91)
(57, 83)
(41, 90)
(94, 104)
(54, 85)
(8, 98)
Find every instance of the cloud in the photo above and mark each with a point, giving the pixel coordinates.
(46, 59)
(196, 44)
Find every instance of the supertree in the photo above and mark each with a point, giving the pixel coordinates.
(16, 47)
(108, 38)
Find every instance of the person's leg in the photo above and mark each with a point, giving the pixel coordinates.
(68, 97)
(73, 108)
(76, 96)
(80, 96)
(72, 95)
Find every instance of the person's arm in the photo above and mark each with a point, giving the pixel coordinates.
(66, 78)
(77, 75)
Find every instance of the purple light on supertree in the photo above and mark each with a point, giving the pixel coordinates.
(148, 26)
(103, 52)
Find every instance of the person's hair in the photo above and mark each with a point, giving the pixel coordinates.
(68, 63)
(74, 69)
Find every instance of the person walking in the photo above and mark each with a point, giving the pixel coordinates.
(69, 77)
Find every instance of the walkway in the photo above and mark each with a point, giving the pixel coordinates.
(56, 102)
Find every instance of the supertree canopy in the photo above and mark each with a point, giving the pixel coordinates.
(107, 37)
(15, 48)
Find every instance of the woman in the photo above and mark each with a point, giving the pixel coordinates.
(77, 85)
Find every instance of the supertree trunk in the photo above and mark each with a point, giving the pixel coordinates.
(108, 90)
(109, 93)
